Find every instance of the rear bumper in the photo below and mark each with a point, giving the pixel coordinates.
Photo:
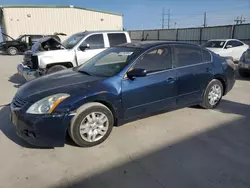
(244, 67)
(26, 72)
(41, 130)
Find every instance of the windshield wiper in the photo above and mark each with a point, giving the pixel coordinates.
(84, 72)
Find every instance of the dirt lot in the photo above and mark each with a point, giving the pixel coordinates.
(190, 148)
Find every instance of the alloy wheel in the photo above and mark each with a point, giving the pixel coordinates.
(214, 95)
(94, 126)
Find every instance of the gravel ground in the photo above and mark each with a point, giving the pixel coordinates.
(190, 147)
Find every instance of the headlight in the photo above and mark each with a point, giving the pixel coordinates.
(48, 104)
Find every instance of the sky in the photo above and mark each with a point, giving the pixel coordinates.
(146, 14)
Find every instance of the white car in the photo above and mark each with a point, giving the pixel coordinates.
(227, 47)
(49, 55)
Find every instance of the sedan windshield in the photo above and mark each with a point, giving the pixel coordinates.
(109, 62)
(70, 42)
(214, 44)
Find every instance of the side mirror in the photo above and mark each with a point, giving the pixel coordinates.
(83, 46)
(136, 73)
(228, 46)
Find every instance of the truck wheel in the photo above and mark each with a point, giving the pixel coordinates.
(212, 95)
(91, 125)
(12, 50)
(56, 68)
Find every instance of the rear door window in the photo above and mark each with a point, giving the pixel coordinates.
(187, 55)
(234, 43)
(116, 39)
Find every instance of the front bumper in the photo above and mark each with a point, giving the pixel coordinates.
(26, 72)
(41, 130)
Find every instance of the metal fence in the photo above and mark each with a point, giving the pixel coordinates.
(195, 35)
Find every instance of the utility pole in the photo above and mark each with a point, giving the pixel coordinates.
(168, 18)
(241, 19)
(205, 20)
(237, 20)
(162, 19)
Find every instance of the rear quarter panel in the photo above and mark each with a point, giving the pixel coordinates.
(224, 73)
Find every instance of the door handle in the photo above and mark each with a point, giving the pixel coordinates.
(208, 69)
(171, 79)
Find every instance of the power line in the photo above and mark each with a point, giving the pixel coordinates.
(239, 20)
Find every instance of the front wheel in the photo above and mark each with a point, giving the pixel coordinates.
(56, 68)
(213, 94)
(91, 125)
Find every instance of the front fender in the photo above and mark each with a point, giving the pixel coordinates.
(112, 101)
(44, 61)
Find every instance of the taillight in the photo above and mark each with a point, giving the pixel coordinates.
(231, 63)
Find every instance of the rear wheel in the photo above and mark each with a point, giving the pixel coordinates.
(91, 125)
(56, 68)
(12, 50)
(212, 95)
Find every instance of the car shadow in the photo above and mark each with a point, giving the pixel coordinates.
(232, 107)
(4, 53)
(9, 130)
(17, 80)
(247, 77)
(216, 157)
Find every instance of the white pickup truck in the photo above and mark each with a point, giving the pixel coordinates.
(49, 55)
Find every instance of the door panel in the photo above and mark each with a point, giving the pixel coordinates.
(188, 86)
(84, 56)
(192, 73)
(96, 45)
(149, 94)
(154, 92)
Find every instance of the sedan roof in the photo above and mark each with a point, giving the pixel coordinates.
(150, 44)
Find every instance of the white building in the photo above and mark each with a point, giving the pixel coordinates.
(19, 20)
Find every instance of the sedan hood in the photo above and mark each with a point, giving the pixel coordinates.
(66, 81)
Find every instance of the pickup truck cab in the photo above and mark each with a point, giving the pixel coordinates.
(49, 55)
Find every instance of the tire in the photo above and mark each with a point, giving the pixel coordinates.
(12, 50)
(81, 116)
(206, 102)
(56, 68)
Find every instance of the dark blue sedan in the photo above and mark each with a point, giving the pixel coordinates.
(120, 83)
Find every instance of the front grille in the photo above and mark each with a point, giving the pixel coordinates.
(34, 62)
(18, 102)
